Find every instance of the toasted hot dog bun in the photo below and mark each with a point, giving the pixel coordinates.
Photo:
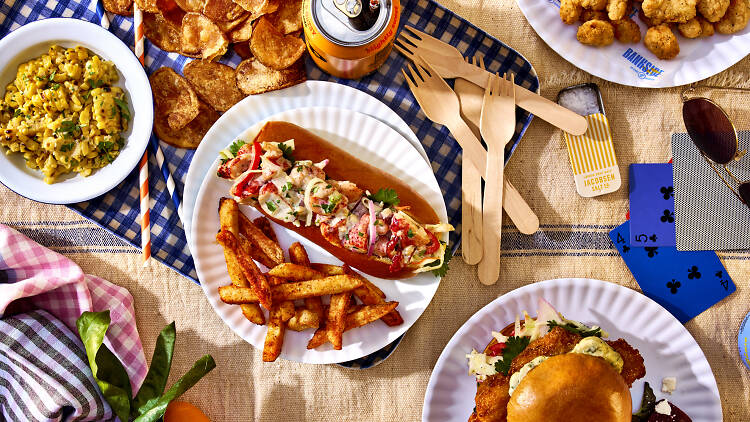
(343, 166)
(571, 387)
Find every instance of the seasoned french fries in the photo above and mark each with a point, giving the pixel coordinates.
(295, 272)
(264, 225)
(253, 275)
(292, 291)
(336, 321)
(274, 335)
(298, 255)
(259, 239)
(228, 217)
(328, 269)
(363, 316)
(303, 319)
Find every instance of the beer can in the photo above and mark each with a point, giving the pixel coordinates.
(350, 38)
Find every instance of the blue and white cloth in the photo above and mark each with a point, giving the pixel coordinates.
(118, 210)
(44, 372)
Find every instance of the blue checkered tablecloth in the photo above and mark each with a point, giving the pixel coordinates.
(118, 210)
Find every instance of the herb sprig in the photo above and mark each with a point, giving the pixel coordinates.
(570, 327)
(387, 196)
(513, 347)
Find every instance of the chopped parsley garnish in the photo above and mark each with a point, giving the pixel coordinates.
(328, 207)
(123, 106)
(442, 270)
(95, 83)
(286, 150)
(67, 147)
(286, 187)
(410, 233)
(568, 326)
(105, 148)
(68, 128)
(54, 86)
(52, 76)
(17, 113)
(40, 79)
(386, 196)
(513, 347)
(271, 206)
(235, 147)
(360, 234)
(113, 111)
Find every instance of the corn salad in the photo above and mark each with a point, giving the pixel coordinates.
(63, 114)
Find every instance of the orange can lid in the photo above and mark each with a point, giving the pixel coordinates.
(351, 23)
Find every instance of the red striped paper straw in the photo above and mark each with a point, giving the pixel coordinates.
(143, 166)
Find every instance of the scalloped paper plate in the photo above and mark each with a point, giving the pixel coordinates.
(667, 347)
(372, 141)
(634, 64)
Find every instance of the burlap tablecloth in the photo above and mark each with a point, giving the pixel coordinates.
(243, 388)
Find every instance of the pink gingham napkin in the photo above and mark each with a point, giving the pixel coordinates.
(56, 284)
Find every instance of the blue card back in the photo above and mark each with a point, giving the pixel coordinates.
(652, 219)
(685, 283)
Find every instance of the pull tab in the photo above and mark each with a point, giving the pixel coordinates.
(351, 8)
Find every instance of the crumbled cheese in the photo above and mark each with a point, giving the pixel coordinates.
(668, 384)
(481, 365)
(499, 337)
(663, 408)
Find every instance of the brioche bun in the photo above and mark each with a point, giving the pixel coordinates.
(571, 388)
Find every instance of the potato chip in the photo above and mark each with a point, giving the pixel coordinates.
(243, 50)
(160, 32)
(228, 26)
(200, 36)
(119, 7)
(274, 49)
(242, 33)
(174, 98)
(191, 5)
(222, 10)
(288, 18)
(255, 78)
(147, 6)
(171, 12)
(214, 83)
(191, 135)
(259, 7)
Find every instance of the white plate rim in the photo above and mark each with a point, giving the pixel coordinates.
(426, 282)
(258, 107)
(105, 44)
(534, 290)
(733, 49)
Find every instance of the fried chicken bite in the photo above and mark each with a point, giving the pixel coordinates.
(492, 399)
(712, 10)
(661, 41)
(589, 15)
(648, 21)
(570, 11)
(669, 10)
(594, 4)
(736, 18)
(627, 31)
(632, 361)
(617, 9)
(707, 28)
(596, 33)
(690, 29)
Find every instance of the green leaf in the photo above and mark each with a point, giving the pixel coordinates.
(648, 402)
(156, 379)
(443, 269)
(287, 151)
(386, 196)
(513, 347)
(67, 147)
(203, 366)
(235, 147)
(570, 327)
(108, 371)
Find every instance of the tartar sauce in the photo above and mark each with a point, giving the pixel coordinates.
(516, 378)
(595, 346)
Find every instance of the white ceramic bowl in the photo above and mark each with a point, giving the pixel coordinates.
(33, 40)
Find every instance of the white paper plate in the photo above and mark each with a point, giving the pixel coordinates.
(368, 139)
(628, 64)
(667, 347)
(255, 108)
(33, 40)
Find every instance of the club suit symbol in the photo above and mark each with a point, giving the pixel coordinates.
(673, 286)
(667, 192)
(652, 251)
(668, 217)
(693, 273)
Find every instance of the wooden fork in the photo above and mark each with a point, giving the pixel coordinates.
(449, 63)
(498, 123)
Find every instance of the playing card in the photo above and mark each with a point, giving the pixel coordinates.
(685, 283)
(651, 205)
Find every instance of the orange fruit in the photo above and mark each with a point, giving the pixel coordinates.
(180, 411)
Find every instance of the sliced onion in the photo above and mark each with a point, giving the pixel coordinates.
(308, 191)
(321, 165)
(371, 226)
